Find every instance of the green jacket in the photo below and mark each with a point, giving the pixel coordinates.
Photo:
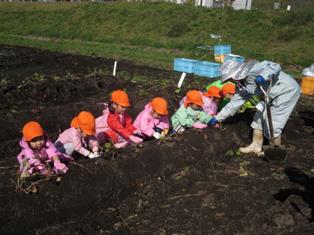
(223, 103)
(217, 83)
(186, 117)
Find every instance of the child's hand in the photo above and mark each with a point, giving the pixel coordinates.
(60, 168)
(157, 135)
(137, 132)
(92, 155)
(95, 149)
(96, 154)
(217, 125)
(199, 125)
(135, 139)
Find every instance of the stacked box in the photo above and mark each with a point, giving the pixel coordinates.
(222, 49)
(307, 86)
(184, 65)
(207, 69)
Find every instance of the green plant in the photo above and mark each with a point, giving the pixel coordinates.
(233, 153)
(38, 77)
(99, 72)
(125, 75)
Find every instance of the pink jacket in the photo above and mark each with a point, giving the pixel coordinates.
(102, 122)
(38, 157)
(80, 144)
(145, 122)
(209, 106)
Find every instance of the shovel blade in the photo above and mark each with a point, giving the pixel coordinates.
(275, 153)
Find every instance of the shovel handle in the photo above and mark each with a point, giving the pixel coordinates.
(268, 110)
(270, 121)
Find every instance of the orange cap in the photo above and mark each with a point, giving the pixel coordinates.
(32, 130)
(85, 121)
(160, 105)
(213, 91)
(194, 97)
(74, 122)
(121, 98)
(229, 88)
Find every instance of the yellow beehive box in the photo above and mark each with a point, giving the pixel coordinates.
(307, 86)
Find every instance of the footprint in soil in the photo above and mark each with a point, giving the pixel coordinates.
(297, 176)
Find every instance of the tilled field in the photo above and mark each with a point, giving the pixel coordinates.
(194, 183)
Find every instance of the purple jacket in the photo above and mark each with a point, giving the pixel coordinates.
(73, 136)
(145, 122)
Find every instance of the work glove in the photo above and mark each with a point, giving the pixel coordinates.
(97, 154)
(259, 80)
(157, 135)
(212, 122)
(135, 139)
(60, 168)
(93, 155)
(199, 125)
(179, 129)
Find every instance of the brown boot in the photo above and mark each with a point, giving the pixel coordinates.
(256, 145)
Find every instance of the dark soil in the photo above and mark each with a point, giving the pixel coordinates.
(190, 184)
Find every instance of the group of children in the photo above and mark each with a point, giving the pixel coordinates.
(86, 134)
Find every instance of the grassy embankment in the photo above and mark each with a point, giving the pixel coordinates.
(155, 33)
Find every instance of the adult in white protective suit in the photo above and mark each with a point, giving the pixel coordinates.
(283, 94)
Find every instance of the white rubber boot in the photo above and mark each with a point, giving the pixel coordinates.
(256, 145)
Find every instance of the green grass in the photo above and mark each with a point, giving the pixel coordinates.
(155, 33)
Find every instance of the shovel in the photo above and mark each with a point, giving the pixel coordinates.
(272, 152)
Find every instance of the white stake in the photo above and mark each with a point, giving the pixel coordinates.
(181, 80)
(114, 68)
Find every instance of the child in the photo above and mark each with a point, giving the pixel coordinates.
(211, 99)
(153, 120)
(38, 152)
(116, 124)
(80, 137)
(190, 113)
(228, 91)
